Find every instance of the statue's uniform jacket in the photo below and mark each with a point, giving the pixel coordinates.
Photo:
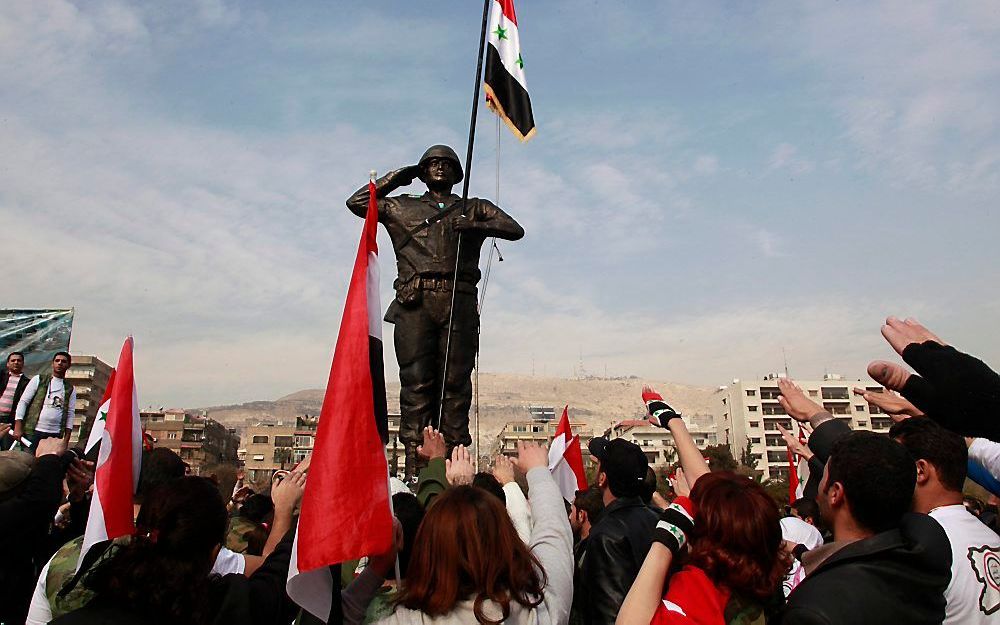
(425, 262)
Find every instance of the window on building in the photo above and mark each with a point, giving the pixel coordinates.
(755, 424)
(172, 436)
(813, 393)
(777, 456)
(698, 441)
(752, 408)
(537, 428)
(258, 457)
(646, 442)
(772, 424)
(881, 423)
(862, 424)
(284, 441)
(772, 409)
(835, 408)
(859, 408)
(520, 428)
(260, 440)
(779, 473)
(769, 392)
(751, 392)
(755, 440)
(775, 440)
(835, 392)
(303, 441)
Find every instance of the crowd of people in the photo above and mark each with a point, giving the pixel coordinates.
(883, 533)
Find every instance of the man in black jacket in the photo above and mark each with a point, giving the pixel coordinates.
(885, 565)
(30, 492)
(620, 540)
(12, 385)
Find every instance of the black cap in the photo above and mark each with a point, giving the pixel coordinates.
(623, 462)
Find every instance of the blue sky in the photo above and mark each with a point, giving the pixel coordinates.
(710, 182)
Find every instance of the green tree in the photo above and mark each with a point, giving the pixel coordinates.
(720, 458)
(777, 488)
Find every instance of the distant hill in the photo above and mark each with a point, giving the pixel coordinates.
(506, 397)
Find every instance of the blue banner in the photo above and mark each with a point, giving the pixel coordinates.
(38, 334)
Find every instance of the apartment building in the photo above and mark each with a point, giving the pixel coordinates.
(657, 443)
(748, 410)
(540, 431)
(198, 440)
(271, 445)
(89, 375)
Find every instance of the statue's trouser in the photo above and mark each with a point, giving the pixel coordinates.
(420, 338)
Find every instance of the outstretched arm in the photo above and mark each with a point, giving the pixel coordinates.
(358, 202)
(662, 415)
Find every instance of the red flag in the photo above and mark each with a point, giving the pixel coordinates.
(118, 462)
(566, 459)
(345, 508)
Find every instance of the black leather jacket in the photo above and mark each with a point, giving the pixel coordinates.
(898, 576)
(615, 550)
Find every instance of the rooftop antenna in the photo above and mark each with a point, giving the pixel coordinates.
(785, 357)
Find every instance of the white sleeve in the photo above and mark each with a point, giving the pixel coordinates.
(986, 453)
(40, 612)
(229, 562)
(72, 409)
(517, 509)
(26, 397)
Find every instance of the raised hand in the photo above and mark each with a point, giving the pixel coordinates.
(902, 333)
(434, 446)
(660, 413)
(459, 470)
(531, 456)
(898, 408)
(79, 477)
(794, 444)
(503, 469)
(50, 446)
(287, 493)
(795, 402)
(679, 483)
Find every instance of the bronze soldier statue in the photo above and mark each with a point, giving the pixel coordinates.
(425, 231)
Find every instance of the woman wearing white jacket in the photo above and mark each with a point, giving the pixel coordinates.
(468, 564)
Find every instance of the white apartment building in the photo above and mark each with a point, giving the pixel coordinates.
(657, 443)
(749, 410)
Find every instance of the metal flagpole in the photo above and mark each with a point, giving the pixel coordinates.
(465, 199)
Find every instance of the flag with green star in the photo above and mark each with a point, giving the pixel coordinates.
(100, 420)
(506, 88)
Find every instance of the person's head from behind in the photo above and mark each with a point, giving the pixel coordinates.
(588, 507)
(867, 485)
(257, 508)
(467, 548)
(490, 484)
(807, 510)
(941, 459)
(622, 468)
(15, 363)
(737, 534)
(159, 466)
(406, 507)
(164, 570)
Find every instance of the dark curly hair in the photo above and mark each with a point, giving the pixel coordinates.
(737, 535)
(165, 569)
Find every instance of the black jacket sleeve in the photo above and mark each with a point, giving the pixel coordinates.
(958, 390)
(606, 585)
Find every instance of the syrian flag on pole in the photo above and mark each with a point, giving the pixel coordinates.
(97, 427)
(345, 507)
(802, 474)
(506, 89)
(118, 462)
(566, 460)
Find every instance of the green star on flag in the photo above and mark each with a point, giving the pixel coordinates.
(500, 32)
(503, 79)
(520, 61)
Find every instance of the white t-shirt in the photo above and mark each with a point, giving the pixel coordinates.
(51, 414)
(973, 594)
(798, 532)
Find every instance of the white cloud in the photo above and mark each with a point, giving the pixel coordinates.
(786, 156)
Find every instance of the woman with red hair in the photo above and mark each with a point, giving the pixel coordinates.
(468, 564)
(724, 541)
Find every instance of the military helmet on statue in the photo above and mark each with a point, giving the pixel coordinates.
(442, 151)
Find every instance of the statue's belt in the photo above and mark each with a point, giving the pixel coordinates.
(439, 284)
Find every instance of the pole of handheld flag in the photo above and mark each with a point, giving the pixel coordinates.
(465, 199)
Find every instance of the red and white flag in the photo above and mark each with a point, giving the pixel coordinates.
(345, 507)
(97, 428)
(117, 473)
(566, 460)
